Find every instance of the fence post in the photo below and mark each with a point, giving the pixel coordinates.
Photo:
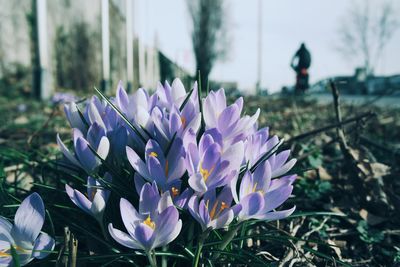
(105, 45)
(129, 43)
(44, 90)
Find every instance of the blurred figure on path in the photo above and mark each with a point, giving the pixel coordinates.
(300, 63)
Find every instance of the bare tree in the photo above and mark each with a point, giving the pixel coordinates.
(366, 30)
(209, 34)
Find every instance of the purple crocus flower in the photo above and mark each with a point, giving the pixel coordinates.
(135, 107)
(180, 198)
(156, 224)
(25, 235)
(95, 202)
(84, 157)
(259, 195)
(174, 95)
(165, 170)
(61, 97)
(257, 145)
(174, 123)
(208, 165)
(74, 117)
(227, 119)
(212, 211)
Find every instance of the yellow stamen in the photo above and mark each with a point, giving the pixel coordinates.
(183, 120)
(149, 222)
(166, 168)
(223, 206)
(153, 154)
(174, 191)
(4, 254)
(213, 210)
(254, 187)
(205, 173)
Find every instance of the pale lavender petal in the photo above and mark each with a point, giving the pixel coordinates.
(137, 163)
(246, 185)
(29, 218)
(165, 225)
(276, 198)
(275, 215)
(222, 220)
(164, 202)
(157, 172)
(103, 148)
(252, 204)
(144, 235)
(66, 152)
(5, 229)
(149, 198)
(210, 157)
(129, 215)
(123, 238)
(284, 169)
(43, 245)
(85, 155)
(262, 177)
(197, 183)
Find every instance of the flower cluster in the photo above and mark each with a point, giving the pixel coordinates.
(186, 154)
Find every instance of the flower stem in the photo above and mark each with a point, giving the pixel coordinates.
(151, 259)
(202, 238)
(229, 236)
(103, 231)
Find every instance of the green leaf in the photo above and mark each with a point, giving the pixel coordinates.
(15, 257)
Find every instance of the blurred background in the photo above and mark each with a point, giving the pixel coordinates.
(244, 46)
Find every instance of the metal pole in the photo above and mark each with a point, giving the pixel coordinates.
(259, 58)
(44, 86)
(105, 44)
(129, 43)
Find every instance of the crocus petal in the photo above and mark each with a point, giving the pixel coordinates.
(137, 163)
(149, 198)
(98, 206)
(276, 215)
(129, 215)
(29, 218)
(144, 235)
(85, 155)
(251, 205)
(82, 202)
(5, 229)
(43, 245)
(164, 202)
(123, 238)
(275, 198)
(166, 226)
(223, 220)
(103, 148)
(73, 116)
(285, 168)
(94, 115)
(178, 91)
(66, 152)
(197, 183)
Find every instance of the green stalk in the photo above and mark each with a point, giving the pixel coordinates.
(229, 236)
(202, 238)
(150, 256)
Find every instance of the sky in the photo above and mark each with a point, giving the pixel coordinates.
(286, 24)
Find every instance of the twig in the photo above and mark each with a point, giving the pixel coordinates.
(365, 115)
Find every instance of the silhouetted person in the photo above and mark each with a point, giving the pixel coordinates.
(300, 63)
